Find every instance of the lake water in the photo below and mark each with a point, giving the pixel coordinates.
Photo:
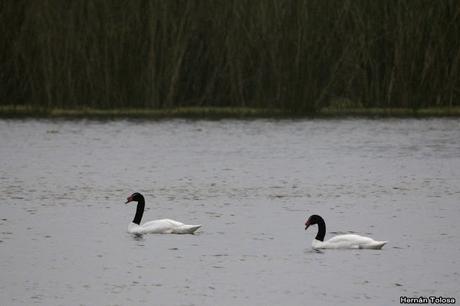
(252, 184)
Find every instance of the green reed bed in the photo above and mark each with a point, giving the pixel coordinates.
(292, 56)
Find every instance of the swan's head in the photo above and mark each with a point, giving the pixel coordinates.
(314, 219)
(135, 197)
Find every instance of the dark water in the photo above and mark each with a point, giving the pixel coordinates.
(63, 238)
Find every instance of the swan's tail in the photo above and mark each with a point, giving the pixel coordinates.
(376, 245)
(187, 229)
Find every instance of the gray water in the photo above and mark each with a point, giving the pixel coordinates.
(252, 184)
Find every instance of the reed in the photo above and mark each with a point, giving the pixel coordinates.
(298, 56)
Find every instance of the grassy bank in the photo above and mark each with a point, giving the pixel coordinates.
(179, 112)
(221, 112)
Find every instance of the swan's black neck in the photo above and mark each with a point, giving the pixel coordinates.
(139, 211)
(321, 230)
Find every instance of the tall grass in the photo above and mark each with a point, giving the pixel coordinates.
(292, 55)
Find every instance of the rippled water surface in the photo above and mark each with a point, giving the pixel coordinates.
(63, 220)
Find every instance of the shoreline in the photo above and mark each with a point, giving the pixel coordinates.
(11, 111)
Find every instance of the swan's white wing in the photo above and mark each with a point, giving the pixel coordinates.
(350, 238)
(163, 222)
(163, 226)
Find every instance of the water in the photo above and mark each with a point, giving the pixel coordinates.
(252, 184)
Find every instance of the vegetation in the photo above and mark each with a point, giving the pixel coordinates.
(286, 56)
(11, 111)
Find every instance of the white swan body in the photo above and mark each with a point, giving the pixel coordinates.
(162, 226)
(347, 241)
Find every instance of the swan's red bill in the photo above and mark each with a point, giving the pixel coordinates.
(130, 199)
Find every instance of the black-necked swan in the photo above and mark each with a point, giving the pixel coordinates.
(348, 241)
(162, 226)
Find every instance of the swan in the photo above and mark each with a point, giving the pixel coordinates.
(348, 241)
(162, 226)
